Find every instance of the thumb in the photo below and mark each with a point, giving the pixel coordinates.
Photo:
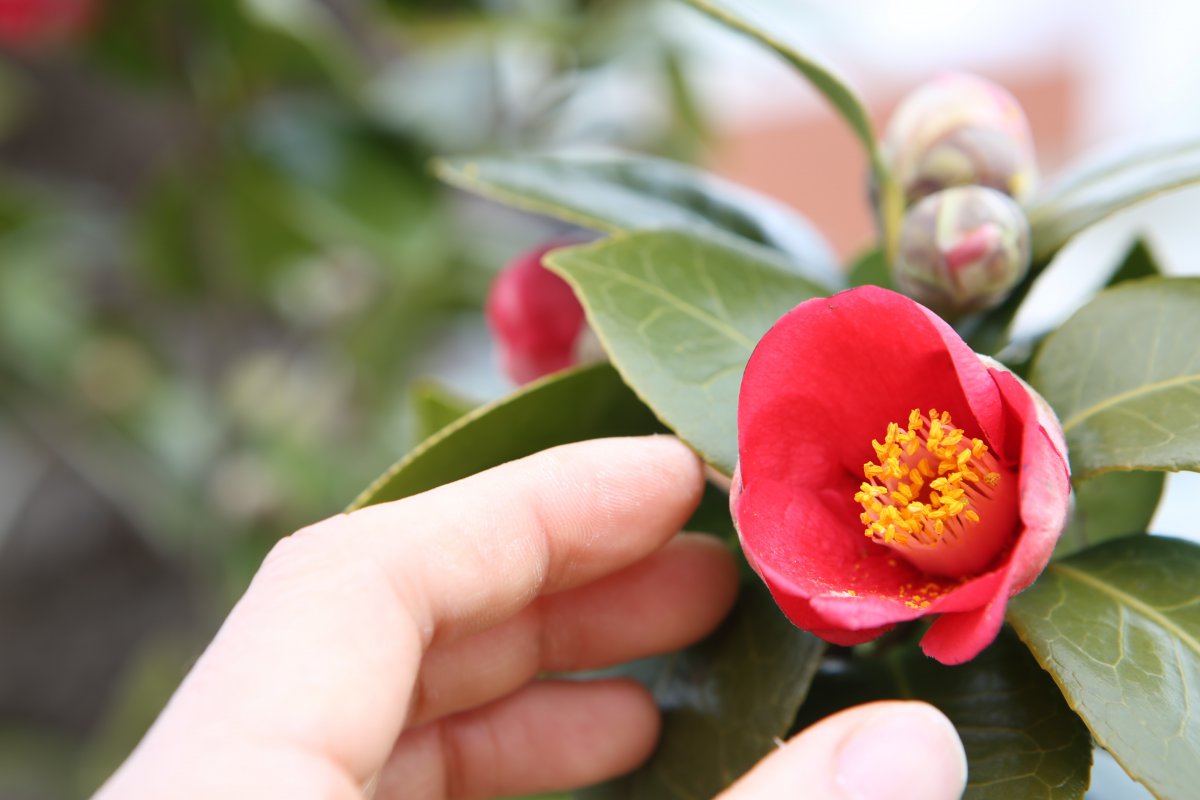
(881, 751)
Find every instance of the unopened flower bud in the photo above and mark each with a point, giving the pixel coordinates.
(962, 250)
(536, 320)
(959, 130)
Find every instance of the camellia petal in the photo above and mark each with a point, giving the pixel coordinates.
(1044, 488)
(970, 530)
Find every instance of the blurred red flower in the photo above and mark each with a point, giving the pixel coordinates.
(535, 318)
(32, 23)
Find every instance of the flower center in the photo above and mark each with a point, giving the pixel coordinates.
(929, 489)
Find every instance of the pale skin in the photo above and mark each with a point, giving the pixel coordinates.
(395, 652)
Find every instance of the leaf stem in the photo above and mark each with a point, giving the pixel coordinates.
(891, 209)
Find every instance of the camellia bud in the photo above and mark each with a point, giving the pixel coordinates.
(959, 130)
(962, 250)
(536, 320)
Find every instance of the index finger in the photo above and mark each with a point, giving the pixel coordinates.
(320, 655)
(477, 551)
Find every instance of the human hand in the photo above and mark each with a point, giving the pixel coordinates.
(394, 651)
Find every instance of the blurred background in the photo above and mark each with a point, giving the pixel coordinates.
(224, 263)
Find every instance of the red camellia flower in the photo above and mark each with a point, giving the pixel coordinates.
(887, 473)
(537, 321)
(32, 23)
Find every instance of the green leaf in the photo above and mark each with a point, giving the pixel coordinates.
(870, 269)
(1096, 191)
(989, 333)
(1118, 627)
(622, 193)
(434, 407)
(571, 406)
(773, 24)
(1139, 262)
(1110, 506)
(992, 333)
(725, 702)
(1123, 374)
(712, 515)
(679, 315)
(149, 677)
(1021, 738)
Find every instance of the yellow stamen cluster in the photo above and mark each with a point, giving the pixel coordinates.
(927, 481)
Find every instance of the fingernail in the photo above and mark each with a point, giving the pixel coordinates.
(908, 752)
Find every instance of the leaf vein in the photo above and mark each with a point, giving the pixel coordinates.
(695, 312)
(1130, 394)
(1145, 609)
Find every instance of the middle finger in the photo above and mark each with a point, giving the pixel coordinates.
(668, 600)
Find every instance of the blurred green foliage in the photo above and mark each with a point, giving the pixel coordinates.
(222, 259)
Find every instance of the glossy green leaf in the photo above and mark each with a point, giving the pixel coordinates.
(870, 269)
(1021, 738)
(1139, 262)
(621, 193)
(773, 24)
(1118, 627)
(571, 406)
(1110, 506)
(725, 702)
(1123, 374)
(989, 333)
(679, 315)
(1094, 192)
(434, 407)
(712, 515)
(992, 333)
